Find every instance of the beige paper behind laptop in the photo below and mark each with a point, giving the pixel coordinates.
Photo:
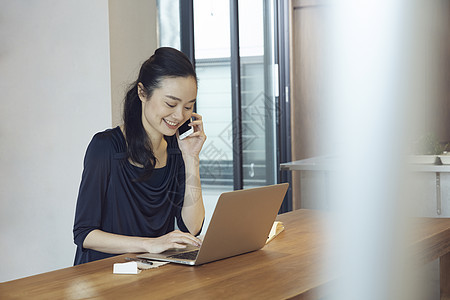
(241, 223)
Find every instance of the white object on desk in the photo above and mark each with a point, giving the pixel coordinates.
(126, 268)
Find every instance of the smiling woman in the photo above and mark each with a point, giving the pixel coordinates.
(140, 177)
(169, 106)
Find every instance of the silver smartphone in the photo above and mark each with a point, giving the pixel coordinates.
(185, 130)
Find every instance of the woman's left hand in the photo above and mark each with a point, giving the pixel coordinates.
(192, 144)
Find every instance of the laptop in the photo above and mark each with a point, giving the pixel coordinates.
(241, 223)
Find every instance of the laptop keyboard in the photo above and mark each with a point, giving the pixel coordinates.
(192, 255)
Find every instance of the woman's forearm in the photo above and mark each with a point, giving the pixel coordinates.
(116, 244)
(193, 211)
(102, 241)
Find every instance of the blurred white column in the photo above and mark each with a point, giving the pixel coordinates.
(378, 83)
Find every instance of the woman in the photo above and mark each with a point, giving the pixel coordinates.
(139, 178)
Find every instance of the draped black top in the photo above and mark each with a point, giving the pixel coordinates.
(110, 199)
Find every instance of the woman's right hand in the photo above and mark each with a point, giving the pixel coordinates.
(174, 239)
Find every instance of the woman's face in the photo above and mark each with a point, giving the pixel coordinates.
(169, 106)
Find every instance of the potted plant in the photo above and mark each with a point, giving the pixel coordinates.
(429, 150)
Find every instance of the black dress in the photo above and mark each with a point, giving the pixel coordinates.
(111, 200)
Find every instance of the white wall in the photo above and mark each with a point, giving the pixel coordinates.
(133, 40)
(55, 94)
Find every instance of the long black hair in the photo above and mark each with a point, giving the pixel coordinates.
(164, 63)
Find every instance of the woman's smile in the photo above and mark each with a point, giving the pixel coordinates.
(171, 125)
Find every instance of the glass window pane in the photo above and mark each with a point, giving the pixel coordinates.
(256, 50)
(169, 23)
(212, 61)
(211, 29)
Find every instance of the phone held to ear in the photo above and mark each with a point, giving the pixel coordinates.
(185, 130)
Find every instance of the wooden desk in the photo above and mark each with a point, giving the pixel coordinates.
(290, 266)
(433, 242)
